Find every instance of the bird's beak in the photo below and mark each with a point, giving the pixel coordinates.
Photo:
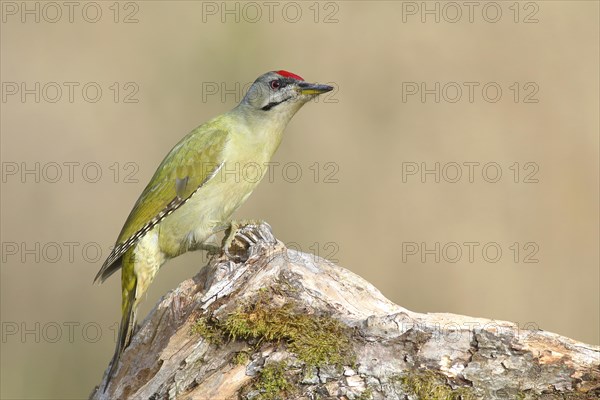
(306, 88)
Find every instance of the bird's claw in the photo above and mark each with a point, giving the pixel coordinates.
(244, 235)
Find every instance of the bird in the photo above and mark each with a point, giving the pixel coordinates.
(198, 186)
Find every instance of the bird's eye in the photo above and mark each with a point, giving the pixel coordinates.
(275, 84)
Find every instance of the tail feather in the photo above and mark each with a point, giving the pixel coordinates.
(108, 268)
(125, 332)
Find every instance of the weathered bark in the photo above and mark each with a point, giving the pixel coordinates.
(392, 353)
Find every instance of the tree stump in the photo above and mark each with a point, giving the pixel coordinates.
(275, 323)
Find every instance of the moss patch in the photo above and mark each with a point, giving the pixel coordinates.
(272, 382)
(316, 340)
(241, 358)
(208, 330)
(427, 385)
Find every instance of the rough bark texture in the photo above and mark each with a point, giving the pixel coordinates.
(185, 348)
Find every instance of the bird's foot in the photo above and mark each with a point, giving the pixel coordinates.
(210, 244)
(242, 236)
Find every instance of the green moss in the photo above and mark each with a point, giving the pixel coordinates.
(272, 382)
(208, 330)
(427, 385)
(366, 395)
(241, 358)
(316, 340)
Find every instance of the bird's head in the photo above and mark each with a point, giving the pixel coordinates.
(281, 93)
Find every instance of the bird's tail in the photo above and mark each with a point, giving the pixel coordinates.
(125, 328)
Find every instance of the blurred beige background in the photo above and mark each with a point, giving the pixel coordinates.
(360, 210)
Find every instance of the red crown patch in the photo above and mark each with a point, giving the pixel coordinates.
(289, 75)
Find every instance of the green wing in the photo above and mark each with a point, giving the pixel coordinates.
(187, 167)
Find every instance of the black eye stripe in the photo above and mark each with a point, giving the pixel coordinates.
(274, 103)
